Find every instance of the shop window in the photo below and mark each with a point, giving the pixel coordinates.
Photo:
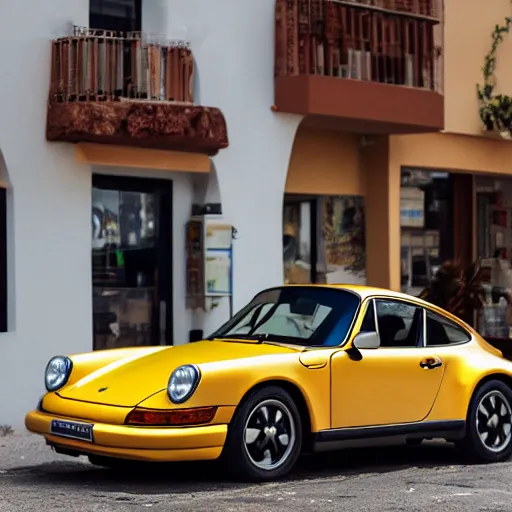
(443, 332)
(324, 239)
(118, 15)
(426, 225)
(494, 253)
(3, 260)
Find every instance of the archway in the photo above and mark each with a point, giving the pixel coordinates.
(323, 212)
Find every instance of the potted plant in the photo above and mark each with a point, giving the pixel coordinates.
(495, 109)
(457, 289)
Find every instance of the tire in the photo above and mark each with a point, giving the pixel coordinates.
(253, 437)
(489, 424)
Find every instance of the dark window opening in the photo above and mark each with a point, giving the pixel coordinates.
(3, 260)
(118, 15)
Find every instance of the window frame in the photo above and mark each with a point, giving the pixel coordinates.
(447, 320)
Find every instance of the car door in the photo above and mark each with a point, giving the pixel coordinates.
(396, 383)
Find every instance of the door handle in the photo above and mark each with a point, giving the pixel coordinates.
(430, 363)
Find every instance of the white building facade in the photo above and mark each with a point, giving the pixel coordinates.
(50, 192)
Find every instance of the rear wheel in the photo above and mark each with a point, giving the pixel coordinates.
(489, 424)
(265, 436)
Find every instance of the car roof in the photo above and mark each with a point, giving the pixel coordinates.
(362, 290)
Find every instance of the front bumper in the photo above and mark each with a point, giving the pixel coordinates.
(138, 443)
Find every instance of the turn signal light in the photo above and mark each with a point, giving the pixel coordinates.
(177, 417)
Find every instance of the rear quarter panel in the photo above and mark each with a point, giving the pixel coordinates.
(226, 383)
(466, 366)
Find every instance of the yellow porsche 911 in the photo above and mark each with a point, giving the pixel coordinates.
(299, 369)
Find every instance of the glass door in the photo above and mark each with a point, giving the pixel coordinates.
(131, 262)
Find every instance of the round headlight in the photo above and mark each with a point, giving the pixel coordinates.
(57, 372)
(182, 383)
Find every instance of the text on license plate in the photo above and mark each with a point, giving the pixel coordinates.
(72, 429)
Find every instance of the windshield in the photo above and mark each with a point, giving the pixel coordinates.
(301, 315)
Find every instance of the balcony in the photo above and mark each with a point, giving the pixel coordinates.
(119, 89)
(364, 66)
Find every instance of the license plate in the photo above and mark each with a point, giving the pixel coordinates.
(72, 429)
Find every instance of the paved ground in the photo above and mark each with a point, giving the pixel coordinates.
(410, 479)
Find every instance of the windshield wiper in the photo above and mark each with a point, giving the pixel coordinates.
(260, 338)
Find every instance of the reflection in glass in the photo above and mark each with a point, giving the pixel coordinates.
(297, 315)
(297, 243)
(342, 240)
(124, 268)
(426, 226)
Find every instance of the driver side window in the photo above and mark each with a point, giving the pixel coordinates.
(399, 323)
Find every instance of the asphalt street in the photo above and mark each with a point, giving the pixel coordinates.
(425, 478)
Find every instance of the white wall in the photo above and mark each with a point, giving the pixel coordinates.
(233, 44)
(50, 195)
(49, 210)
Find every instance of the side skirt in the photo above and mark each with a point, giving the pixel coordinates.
(381, 435)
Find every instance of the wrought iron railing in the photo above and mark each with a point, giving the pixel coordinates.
(389, 41)
(94, 65)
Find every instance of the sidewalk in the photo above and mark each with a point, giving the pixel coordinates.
(22, 449)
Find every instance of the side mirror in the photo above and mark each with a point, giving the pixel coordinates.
(367, 340)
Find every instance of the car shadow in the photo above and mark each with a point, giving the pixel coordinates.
(202, 477)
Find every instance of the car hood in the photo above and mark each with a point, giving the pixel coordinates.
(130, 380)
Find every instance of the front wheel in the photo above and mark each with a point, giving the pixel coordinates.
(489, 424)
(265, 436)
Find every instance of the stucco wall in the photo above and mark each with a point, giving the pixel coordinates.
(50, 194)
(467, 39)
(325, 162)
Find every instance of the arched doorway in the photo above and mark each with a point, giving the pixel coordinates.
(324, 235)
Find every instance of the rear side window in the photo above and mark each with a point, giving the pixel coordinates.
(442, 332)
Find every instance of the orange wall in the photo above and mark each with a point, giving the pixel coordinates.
(467, 39)
(452, 152)
(325, 162)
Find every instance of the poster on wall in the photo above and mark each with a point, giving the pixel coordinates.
(297, 243)
(218, 235)
(218, 272)
(342, 240)
(194, 252)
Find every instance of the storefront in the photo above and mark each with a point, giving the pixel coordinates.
(390, 210)
(460, 211)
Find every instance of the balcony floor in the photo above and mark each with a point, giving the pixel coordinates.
(360, 106)
(146, 124)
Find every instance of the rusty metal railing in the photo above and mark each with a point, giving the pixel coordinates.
(94, 65)
(389, 41)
